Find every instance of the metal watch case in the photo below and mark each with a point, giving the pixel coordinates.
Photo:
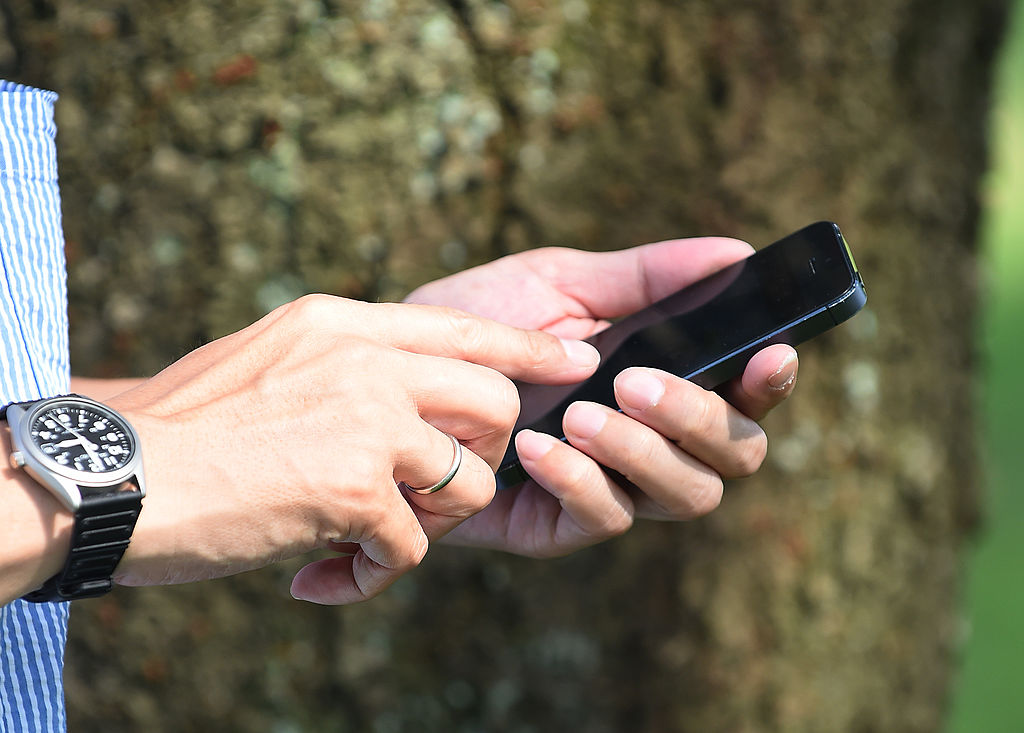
(67, 483)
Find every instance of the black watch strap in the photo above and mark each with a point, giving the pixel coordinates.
(103, 528)
(3, 410)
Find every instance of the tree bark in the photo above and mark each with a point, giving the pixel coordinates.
(220, 158)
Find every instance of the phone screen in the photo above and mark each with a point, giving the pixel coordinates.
(785, 293)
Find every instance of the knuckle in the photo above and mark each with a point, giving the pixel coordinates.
(361, 352)
(643, 450)
(468, 331)
(538, 349)
(311, 310)
(400, 538)
(616, 521)
(705, 498)
(484, 493)
(370, 423)
(496, 408)
(702, 418)
(752, 454)
(411, 554)
(577, 475)
(476, 497)
(505, 407)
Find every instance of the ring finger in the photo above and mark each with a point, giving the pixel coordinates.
(425, 460)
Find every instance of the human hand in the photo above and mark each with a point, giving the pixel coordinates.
(673, 441)
(293, 434)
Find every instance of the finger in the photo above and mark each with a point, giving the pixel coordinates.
(476, 403)
(469, 491)
(395, 545)
(612, 284)
(532, 356)
(768, 379)
(674, 484)
(339, 581)
(697, 420)
(419, 462)
(594, 508)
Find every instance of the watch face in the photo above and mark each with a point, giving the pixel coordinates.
(82, 438)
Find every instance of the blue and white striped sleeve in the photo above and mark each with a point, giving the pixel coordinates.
(33, 364)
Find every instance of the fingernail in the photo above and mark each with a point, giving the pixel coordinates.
(639, 388)
(585, 419)
(785, 374)
(581, 353)
(533, 446)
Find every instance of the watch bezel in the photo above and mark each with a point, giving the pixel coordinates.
(63, 480)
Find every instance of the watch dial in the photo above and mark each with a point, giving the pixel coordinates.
(82, 438)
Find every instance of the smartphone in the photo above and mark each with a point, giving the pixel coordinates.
(785, 293)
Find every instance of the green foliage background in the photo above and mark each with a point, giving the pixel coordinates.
(990, 693)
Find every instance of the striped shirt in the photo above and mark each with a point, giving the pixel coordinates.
(33, 364)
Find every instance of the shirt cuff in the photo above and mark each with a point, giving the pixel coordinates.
(27, 131)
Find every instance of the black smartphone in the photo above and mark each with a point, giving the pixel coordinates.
(785, 293)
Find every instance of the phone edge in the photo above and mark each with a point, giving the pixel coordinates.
(713, 375)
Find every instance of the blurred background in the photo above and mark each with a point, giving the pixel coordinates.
(990, 691)
(219, 159)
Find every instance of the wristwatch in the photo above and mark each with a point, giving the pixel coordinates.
(88, 456)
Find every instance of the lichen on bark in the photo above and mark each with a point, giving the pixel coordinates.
(218, 159)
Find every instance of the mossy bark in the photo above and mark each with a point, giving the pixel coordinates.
(218, 159)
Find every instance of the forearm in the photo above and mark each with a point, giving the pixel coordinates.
(37, 531)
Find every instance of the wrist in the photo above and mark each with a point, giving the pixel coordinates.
(154, 532)
(169, 544)
(36, 535)
(88, 458)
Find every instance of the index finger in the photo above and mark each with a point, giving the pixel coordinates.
(518, 353)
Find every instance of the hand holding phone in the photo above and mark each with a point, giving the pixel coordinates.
(786, 293)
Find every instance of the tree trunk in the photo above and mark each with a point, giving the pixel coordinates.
(221, 158)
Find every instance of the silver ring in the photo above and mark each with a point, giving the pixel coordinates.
(447, 478)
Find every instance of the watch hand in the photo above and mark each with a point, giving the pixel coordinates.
(91, 453)
(87, 445)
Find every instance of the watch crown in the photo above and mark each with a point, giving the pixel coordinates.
(17, 459)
